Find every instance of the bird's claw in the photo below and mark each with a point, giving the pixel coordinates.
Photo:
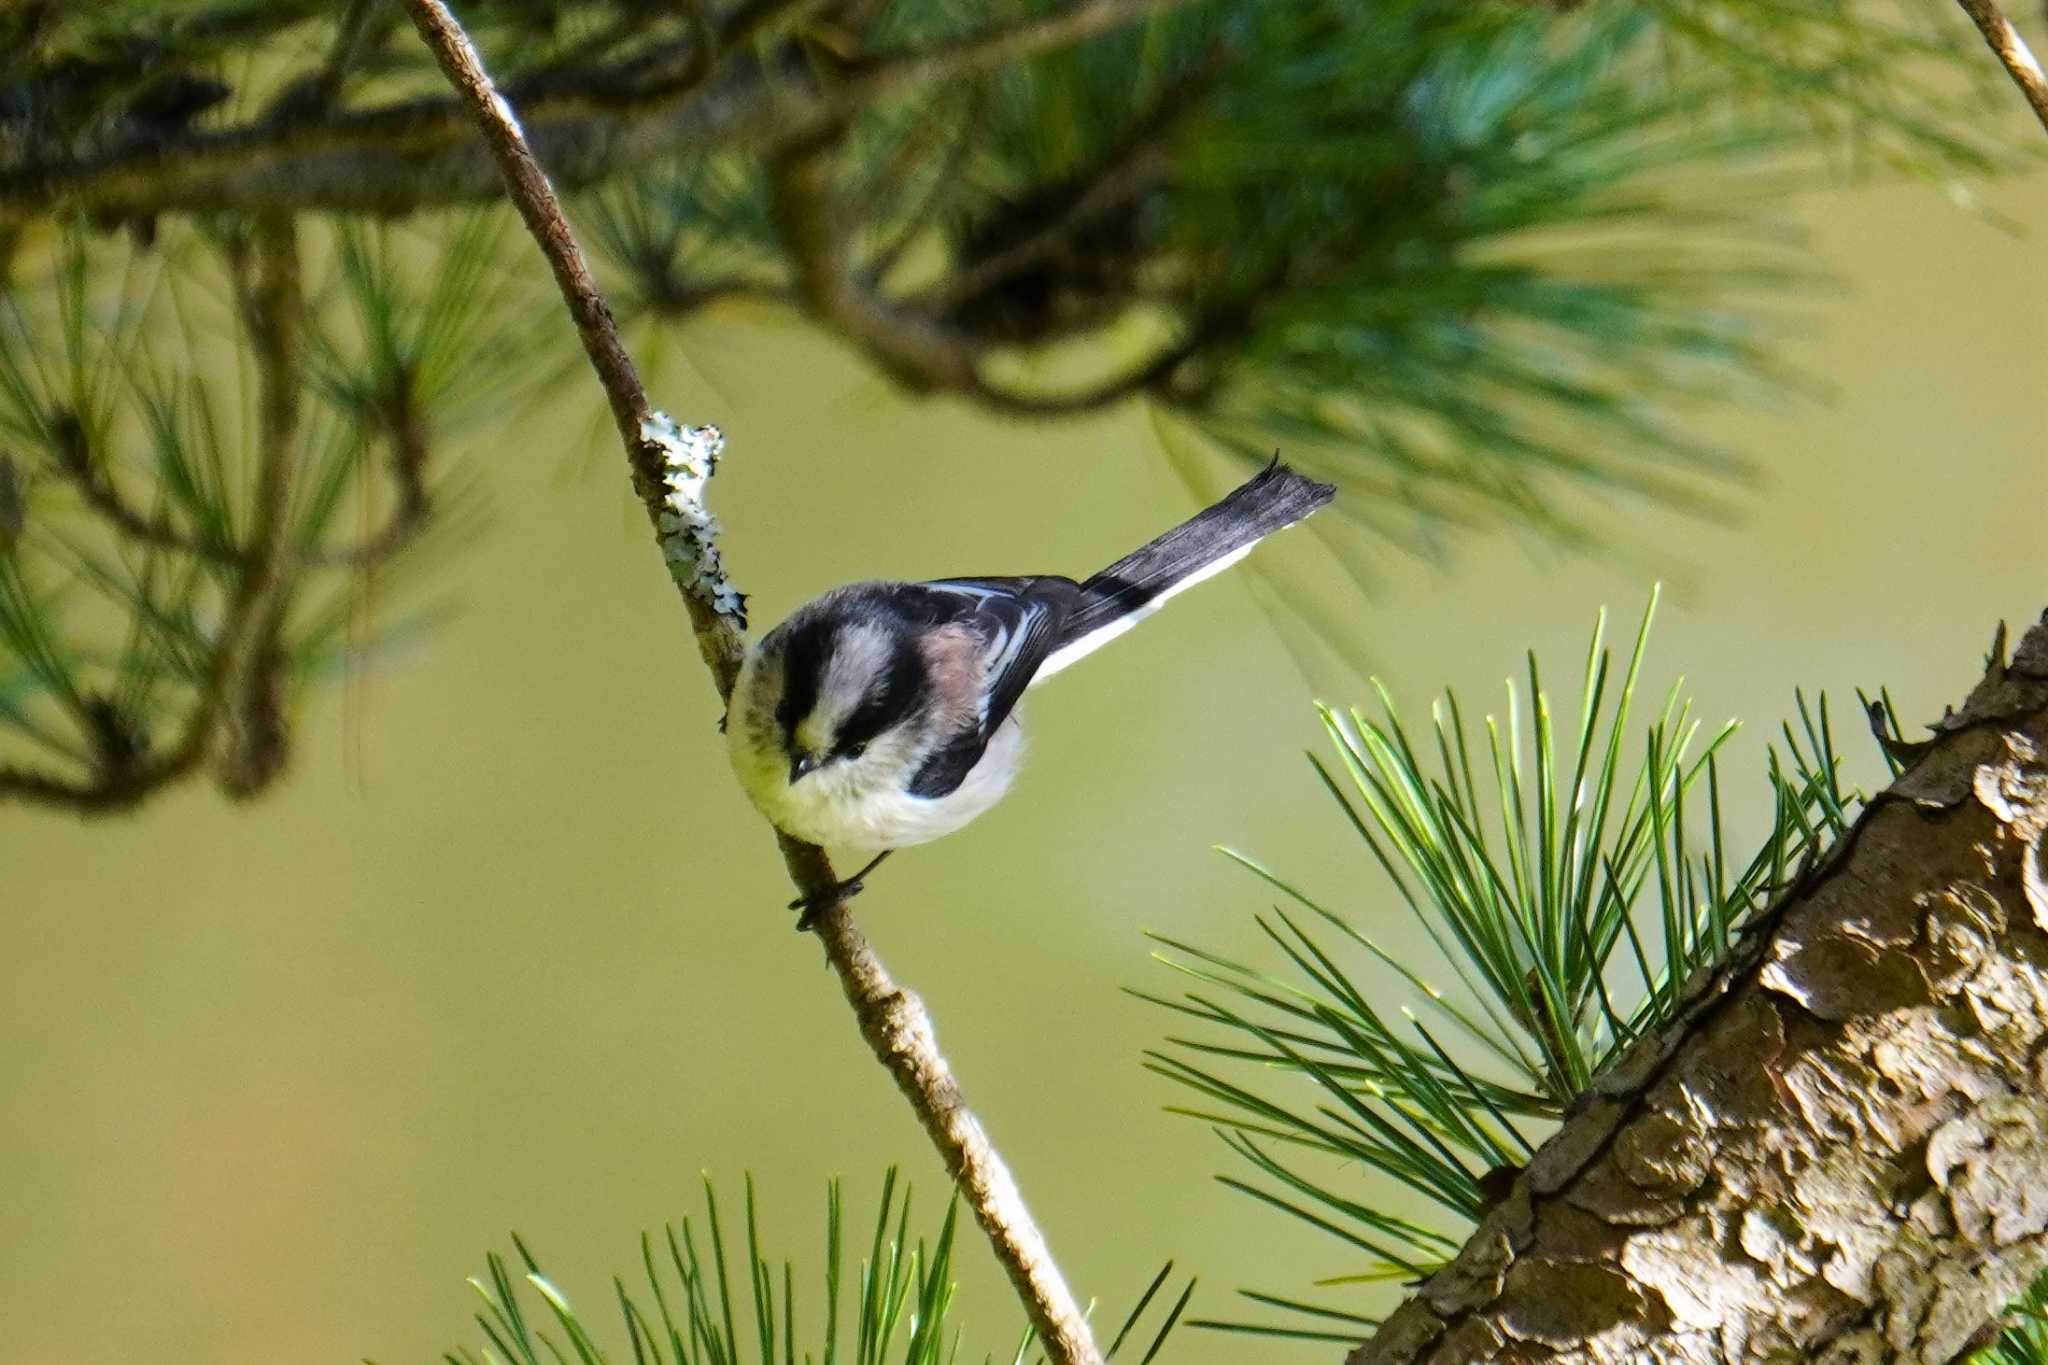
(816, 905)
(840, 891)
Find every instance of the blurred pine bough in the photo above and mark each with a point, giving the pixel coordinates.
(1463, 259)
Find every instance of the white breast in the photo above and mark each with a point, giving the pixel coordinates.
(861, 806)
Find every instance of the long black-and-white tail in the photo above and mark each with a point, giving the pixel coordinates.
(1201, 547)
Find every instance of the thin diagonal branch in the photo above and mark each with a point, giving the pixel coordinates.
(892, 1020)
(2012, 50)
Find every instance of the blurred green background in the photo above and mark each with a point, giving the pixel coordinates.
(507, 950)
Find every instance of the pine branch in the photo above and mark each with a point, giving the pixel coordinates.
(417, 153)
(892, 1020)
(1150, 375)
(245, 685)
(235, 720)
(1851, 1096)
(1333, 222)
(916, 339)
(1572, 895)
(2012, 52)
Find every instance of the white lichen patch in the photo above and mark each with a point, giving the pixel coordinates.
(689, 533)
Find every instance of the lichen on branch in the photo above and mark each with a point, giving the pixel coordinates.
(687, 528)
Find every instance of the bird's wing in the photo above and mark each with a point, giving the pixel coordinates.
(1018, 622)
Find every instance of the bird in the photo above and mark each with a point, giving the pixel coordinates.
(881, 715)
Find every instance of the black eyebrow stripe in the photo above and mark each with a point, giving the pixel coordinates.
(891, 698)
(804, 659)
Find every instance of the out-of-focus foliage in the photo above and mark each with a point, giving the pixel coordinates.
(1472, 262)
(128, 432)
(895, 1309)
(1460, 258)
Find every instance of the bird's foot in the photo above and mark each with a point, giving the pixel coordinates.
(816, 905)
(820, 901)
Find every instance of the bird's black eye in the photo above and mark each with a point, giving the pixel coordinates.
(889, 697)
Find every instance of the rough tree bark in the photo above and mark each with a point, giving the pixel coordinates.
(1838, 1151)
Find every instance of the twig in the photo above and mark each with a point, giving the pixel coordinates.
(899, 1030)
(95, 484)
(893, 1021)
(2012, 50)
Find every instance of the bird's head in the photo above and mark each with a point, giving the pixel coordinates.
(851, 700)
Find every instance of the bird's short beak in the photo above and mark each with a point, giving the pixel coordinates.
(799, 764)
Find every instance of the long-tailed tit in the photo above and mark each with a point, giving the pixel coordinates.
(885, 714)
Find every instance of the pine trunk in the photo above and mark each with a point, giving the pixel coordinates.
(1838, 1151)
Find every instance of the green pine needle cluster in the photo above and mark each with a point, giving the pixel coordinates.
(896, 1310)
(1572, 877)
(128, 470)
